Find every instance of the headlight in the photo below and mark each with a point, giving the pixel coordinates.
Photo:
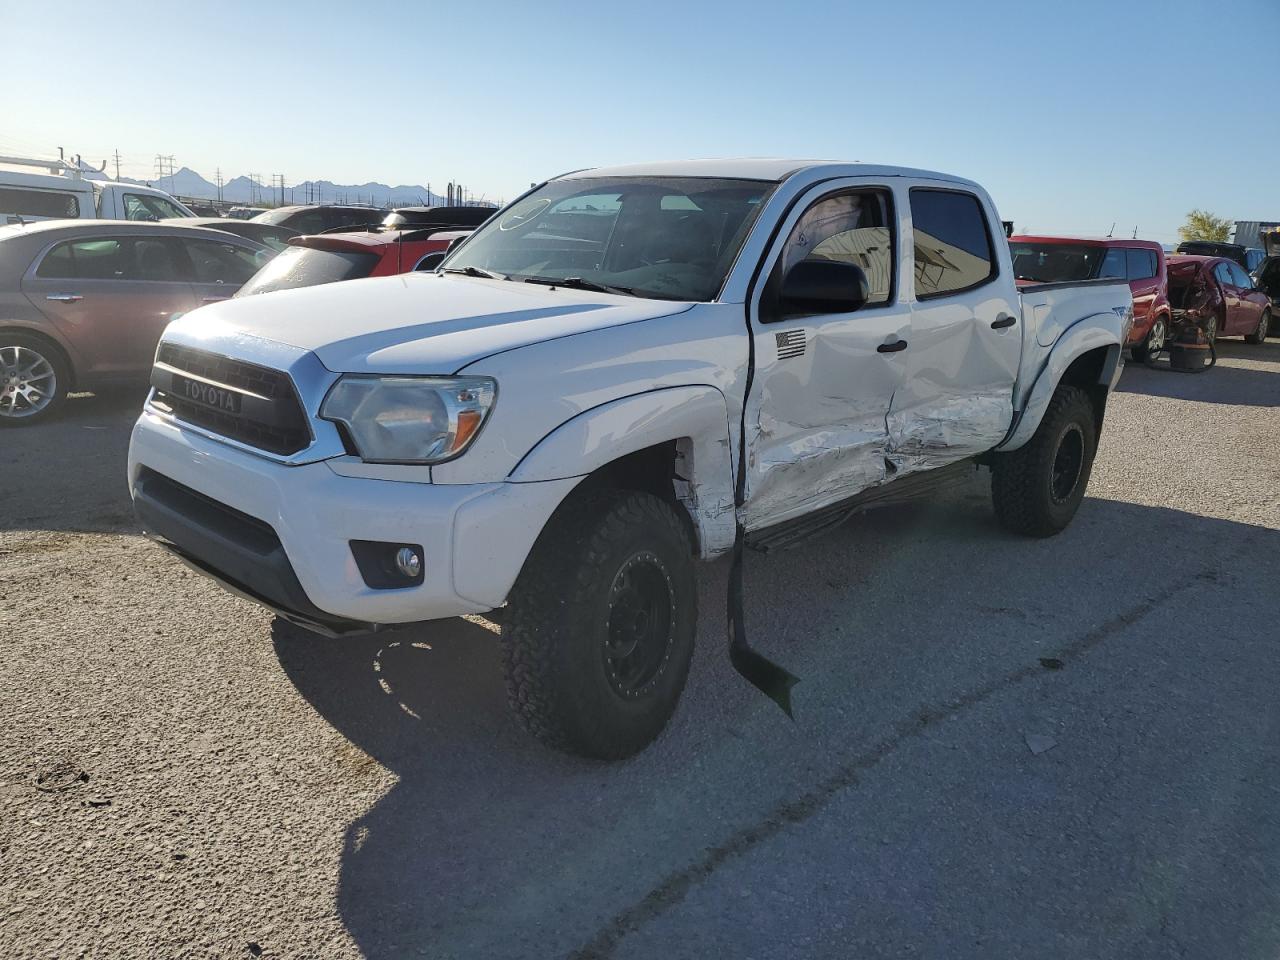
(410, 419)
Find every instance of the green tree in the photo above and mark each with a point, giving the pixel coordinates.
(1203, 225)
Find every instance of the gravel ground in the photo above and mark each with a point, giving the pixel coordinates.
(1002, 747)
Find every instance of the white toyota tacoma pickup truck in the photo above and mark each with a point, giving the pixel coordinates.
(622, 372)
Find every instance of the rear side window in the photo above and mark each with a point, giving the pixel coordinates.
(1115, 265)
(110, 258)
(16, 202)
(306, 267)
(1141, 263)
(221, 262)
(1223, 273)
(953, 250)
(850, 228)
(1239, 277)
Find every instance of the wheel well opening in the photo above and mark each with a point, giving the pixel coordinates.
(661, 469)
(1089, 372)
(48, 341)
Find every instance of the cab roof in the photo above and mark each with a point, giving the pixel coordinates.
(755, 168)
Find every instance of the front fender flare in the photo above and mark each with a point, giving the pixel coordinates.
(1090, 333)
(694, 416)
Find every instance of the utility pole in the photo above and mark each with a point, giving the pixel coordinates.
(255, 188)
(217, 178)
(117, 156)
(164, 168)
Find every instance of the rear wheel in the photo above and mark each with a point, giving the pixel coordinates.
(599, 632)
(1037, 488)
(1153, 343)
(1260, 334)
(34, 379)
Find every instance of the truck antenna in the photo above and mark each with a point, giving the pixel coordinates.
(1111, 231)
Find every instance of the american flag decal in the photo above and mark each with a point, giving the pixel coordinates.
(790, 344)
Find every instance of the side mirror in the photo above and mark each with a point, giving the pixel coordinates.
(824, 286)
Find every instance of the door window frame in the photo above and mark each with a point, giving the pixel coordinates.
(772, 260)
(991, 277)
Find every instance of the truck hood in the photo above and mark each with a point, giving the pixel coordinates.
(417, 322)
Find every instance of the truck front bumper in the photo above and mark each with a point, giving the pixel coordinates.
(281, 535)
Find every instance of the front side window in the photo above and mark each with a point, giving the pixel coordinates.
(1239, 277)
(1141, 263)
(671, 238)
(52, 204)
(222, 262)
(953, 250)
(111, 258)
(1223, 273)
(139, 206)
(850, 228)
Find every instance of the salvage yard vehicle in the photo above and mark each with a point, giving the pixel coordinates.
(1215, 295)
(1248, 257)
(623, 371)
(1043, 259)
(83, 302)
(328, 257)
(269, 235)
(403, 218)
(63, 192)
(318, 217)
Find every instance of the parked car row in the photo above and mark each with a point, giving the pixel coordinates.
(1178, 297)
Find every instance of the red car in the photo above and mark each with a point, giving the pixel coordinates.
(328, 257)
(1042, 259)
(1215, 295)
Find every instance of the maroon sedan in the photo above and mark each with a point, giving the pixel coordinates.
(83, 302)
(1215, 295)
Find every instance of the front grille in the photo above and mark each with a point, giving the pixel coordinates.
(276, 422)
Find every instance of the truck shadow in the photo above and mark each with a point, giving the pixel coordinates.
(1224, 383)
(489, 845)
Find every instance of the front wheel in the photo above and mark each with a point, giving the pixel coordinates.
(599, 634)
(1037, 488)
(1153, 343)
(34, 379)
(1260, 334)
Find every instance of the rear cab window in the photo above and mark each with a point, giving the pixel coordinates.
(953, 248)
(1055, 262)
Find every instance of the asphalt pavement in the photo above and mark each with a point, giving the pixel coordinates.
(1003, 748)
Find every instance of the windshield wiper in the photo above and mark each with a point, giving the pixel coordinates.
(475, 272)
(578, 283)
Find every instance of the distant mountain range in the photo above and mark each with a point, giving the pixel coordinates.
(185, 182)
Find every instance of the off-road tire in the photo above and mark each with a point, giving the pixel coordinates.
(1023, 481)
(61, 372)
(558, 624)
(1260, 334)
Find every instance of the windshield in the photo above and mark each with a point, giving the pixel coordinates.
(663, 237)
(1055, 262)
(307, 267)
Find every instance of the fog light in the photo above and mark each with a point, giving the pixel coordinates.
(408, 562)
(389, 566)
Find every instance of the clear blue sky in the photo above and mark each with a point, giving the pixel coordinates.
(1073, 115)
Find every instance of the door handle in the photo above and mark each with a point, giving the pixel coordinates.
(213, 299)
(1002, 321)
(892, 347)
(65, 297)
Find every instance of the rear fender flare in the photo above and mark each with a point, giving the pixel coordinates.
(696, 417)
(1091, 333)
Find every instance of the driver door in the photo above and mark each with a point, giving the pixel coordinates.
(816, 415)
